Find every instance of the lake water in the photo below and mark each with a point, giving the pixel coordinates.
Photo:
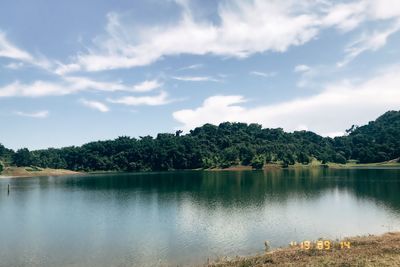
(183, 218)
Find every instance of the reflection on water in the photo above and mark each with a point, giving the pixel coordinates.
(185, 217)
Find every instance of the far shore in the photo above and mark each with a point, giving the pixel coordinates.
(23, 172)
(383, 250)
(276, 166)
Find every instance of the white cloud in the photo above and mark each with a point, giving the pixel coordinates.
(147, 86)
(14, 65)
(307, 75)
(215, 109)
(349, 15)
(71, 85)
(302, 68)
(383, 9)
(369, 42)
(83, 83)
(156, 100)
(245, 28)
(95, 105)
(37, 115)
(263, 74)
(331, 111)
(195, 78)
(35, 89)
(63, 69)
(192, 67)
(8, 50)
(346, 16)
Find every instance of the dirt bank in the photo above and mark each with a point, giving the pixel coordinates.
(18, 172)
(381, 250)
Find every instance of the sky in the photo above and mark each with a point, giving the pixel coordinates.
(74, 71)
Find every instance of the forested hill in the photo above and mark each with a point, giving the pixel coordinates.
(221, 146)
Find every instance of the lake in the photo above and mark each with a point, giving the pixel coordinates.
(183, 218)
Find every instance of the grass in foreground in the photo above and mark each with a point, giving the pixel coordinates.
(365, 251)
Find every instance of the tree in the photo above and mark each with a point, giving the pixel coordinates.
(339, 158)
(230, 157)
(258, 162)
(22, 157)
(303, 158)
(287, 160)
(246, 155)
(224, 145)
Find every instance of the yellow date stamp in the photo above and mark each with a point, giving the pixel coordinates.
(321, 245)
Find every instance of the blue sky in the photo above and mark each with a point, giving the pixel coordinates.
(78, 71)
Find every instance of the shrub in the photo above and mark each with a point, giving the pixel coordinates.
(257, 162)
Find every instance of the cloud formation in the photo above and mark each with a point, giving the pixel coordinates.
(192, 67)
(244, 28)
(302, 68)
(96, 105)
(9, 50)
(70, 85)
(155, 100)
(37, 115)
(328, 113)
(147, 86)
(195, 78)
(369, 42)
(263, 74)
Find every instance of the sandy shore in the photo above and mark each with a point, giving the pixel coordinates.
(20, 172)
(381, 250)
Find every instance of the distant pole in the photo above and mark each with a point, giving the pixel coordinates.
(8, 189)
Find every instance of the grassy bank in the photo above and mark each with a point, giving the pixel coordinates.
(15, 172)
(381, 250)
(364, 165)
(32, 171)
(313, 164)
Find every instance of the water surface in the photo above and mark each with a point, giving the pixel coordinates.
(183, 218)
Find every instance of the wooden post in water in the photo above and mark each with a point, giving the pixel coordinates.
(8, 189)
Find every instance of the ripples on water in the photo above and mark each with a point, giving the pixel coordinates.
(186, 217)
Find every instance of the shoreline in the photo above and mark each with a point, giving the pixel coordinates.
(277, 166)
(372, 250)
(26, 172)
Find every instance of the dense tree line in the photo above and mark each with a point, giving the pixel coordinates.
(221, 146)
(377, 141)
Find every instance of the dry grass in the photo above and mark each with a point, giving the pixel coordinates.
(365, 251)
(15, 172)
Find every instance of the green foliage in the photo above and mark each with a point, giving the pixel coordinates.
(1, 167)
(23, 157)
(258, 162)
(5, 154)
(222, 146)
(339, 158)
(287, 160)
(377, 141)
(303, 158)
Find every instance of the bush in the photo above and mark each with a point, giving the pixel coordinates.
(257, 162)
(1, 167)
(339, 158)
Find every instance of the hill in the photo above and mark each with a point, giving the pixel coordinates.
(222, 146)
